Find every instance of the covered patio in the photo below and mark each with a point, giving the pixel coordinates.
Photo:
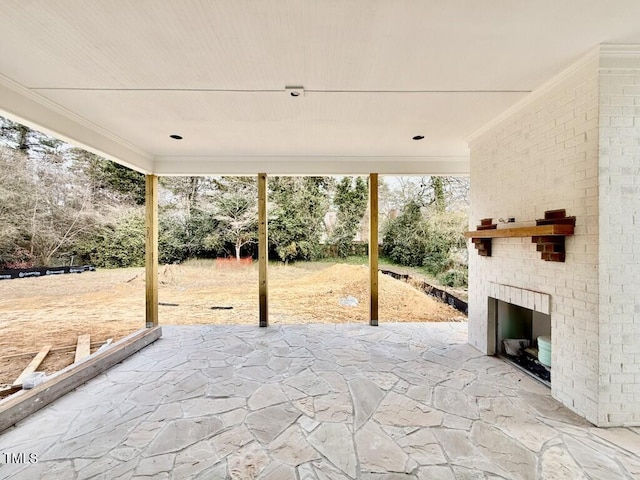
(401, 401)
(539, 102)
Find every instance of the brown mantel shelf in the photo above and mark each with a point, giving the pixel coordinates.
(548, 234)
(532, 231)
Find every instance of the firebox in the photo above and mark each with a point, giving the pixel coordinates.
(521, 324)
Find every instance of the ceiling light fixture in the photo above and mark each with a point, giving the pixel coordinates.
(176, 137)
(294, 91)
(418, 137)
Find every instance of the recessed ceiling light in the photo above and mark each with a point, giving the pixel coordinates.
(418, 137)
(176, 137)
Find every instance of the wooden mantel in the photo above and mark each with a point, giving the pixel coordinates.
(548, 234)
(531, 231)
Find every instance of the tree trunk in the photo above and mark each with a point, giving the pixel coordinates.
(238, 246)
(23, 138)
(438, 193)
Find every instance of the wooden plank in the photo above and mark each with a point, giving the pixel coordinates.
(373, 249)
(522, 231)
(24, 403)
(263, 251)
(57, 349)
(33, 365)
(83, 348)
(151, 251)
(9, 390)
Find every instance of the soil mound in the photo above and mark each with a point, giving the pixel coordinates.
(318, 295)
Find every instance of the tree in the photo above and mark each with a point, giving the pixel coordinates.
(446, 252)
(63, 211)
(117, 244)
(31, 142)
(351, 201)
(296, 218)
(442, 193)
(46, 208)
(439, 200)
(185, 216)
(16, 187)
(109, 179)
(187, 191)
(235, 207)
(404, 237)
(430, 238)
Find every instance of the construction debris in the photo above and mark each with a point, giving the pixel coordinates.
(83, 348)
(33, 366)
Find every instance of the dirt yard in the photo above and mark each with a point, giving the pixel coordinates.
(110, 304)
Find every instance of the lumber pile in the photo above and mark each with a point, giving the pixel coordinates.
(83, 350)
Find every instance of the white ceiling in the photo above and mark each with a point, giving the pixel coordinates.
(120, 76)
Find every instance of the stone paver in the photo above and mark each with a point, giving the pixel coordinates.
(315, 402)
(333, 440)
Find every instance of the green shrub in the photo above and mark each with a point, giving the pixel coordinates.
(404, 238)
(444, 238)
(118, 245)
(433, 240)
(454, 277)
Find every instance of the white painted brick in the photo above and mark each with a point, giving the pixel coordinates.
(516, 296)
(577, 147)
(545, 306)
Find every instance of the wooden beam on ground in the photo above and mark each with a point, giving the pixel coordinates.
(151, 251)
(9, 390)
(263, 251)
(373, 249)
(25, 402)
(57, 349)
(83, 348)
(33, 365)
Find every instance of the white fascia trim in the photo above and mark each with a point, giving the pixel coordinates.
(536, 94)
(617, 58)
(170, 165)
(22, 105)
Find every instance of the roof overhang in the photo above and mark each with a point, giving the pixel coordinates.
(118, 78)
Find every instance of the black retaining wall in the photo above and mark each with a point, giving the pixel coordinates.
(42, 271)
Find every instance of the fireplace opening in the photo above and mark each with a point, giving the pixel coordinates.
(523, 338)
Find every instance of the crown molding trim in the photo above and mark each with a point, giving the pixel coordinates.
(175, 165)
(536, 94)
(29, 108)
(614, 58)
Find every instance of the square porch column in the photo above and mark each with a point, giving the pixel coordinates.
(373, 249)
(151, 250)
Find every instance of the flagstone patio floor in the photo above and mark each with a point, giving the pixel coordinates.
(315, 402)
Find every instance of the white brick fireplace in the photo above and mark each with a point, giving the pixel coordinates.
(573, 144)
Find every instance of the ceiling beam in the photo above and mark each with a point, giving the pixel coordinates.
(22, 105)
(272, 165)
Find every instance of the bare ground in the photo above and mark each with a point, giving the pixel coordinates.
(110, 304)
